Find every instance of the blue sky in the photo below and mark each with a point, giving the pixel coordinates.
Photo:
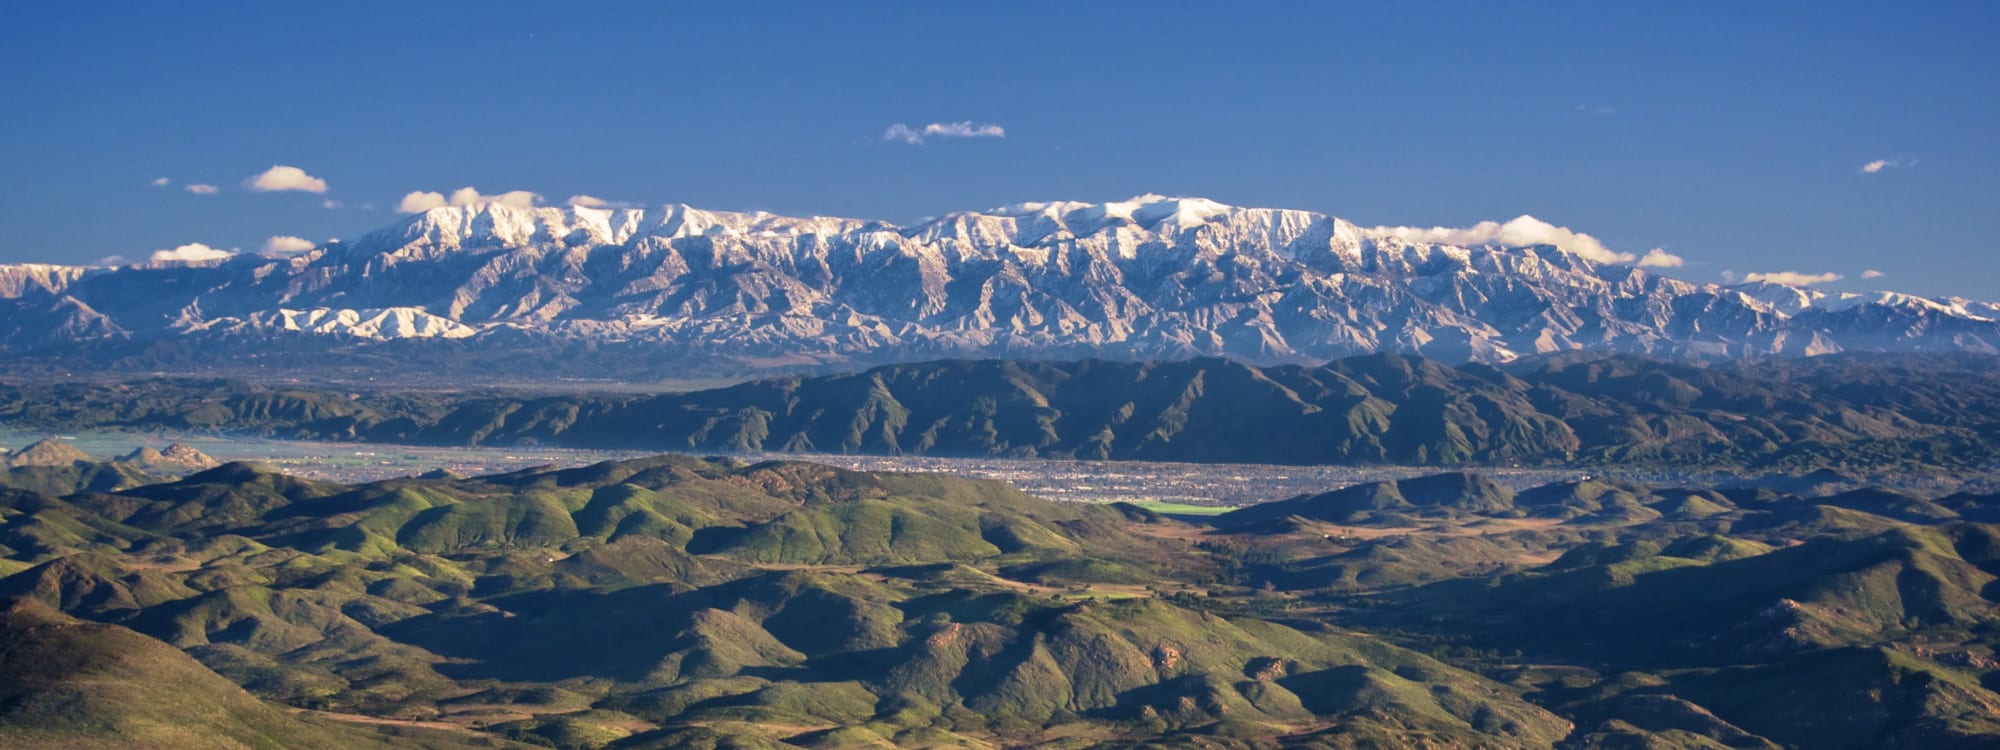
(1732, 135)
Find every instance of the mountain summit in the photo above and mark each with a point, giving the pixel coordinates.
(1149, 277)
(47, 452)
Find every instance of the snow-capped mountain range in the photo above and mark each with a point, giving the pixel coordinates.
(1150, 277)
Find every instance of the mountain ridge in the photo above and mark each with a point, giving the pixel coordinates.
(1864, 413)
(1149, 278)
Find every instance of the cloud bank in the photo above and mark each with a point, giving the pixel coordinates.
(964, 129)
(1524, 231)
(193, 252)
(1793, 278)
(281, 177)
(419, 201)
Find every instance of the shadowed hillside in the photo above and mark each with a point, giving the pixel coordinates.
(1853, 412)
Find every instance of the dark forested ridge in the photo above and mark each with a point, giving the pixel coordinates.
(1850, 412)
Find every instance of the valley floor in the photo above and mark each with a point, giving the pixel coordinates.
(1198, 484)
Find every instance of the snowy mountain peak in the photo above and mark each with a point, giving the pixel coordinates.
(497, 225)
(1150, 276)
(1145, 210)
(1125, 226)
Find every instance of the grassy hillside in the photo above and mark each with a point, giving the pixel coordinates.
(678, 602)
(75, 684)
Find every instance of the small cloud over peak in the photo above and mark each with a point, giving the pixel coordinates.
(281, 178)
(161, 182)
(419, 201)
(201, 189)
(285, 244)
(592, 201)
(964, 129)
(1872, 274)
(515, 198)
(1793, 278)
(1522, 231)
(193, 252)
(1659, 258)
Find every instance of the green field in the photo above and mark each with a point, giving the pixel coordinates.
(1166, 508)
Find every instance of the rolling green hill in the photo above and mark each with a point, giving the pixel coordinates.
(680, 602)
(75, 684)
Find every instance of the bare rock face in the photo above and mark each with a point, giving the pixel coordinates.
(1152, 277)
(178, 458)
(182, 454)
(47, 452)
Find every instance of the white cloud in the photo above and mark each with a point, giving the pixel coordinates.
(193, 252)
(1728, 276)
(1881, 164)
(200, 189)
(1596, 110)
(592, 201)
(1523, 231)
(1659, 258)
(331, 204)
(1872, 274)
(964, 129)
(1793, 278)
(285, 244)
(466, 196)
(514, 198)
(280, 177)
(419, 201)
(161, 182)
